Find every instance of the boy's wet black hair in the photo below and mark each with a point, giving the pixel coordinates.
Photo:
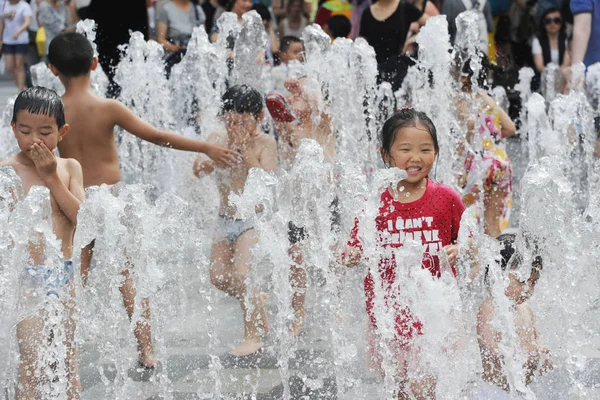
(40, 101)
(71, 53)
(287, 41)
(406, 117)
(339, 26)
(242, 99)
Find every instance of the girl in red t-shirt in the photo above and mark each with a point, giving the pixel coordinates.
(418, 209)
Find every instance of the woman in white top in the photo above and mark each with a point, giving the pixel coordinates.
(550, 46)
(294, 22)
(14, 38)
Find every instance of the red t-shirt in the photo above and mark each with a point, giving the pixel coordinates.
(434, 220)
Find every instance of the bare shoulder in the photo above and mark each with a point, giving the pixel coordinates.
(70, 165)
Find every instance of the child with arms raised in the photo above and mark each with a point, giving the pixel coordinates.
(409, 142)
(242, 110)
(39, 125)
(92, 143)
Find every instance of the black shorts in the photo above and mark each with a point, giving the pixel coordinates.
(15, 48)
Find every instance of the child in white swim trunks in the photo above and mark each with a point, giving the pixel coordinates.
(242, 111)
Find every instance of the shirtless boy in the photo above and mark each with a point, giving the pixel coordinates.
(242, 111)
(38, 123)
(518, 292)
(92, 142)
(300, 116)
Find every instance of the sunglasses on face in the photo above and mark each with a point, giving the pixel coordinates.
(556, 20)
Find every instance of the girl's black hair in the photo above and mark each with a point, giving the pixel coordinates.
(40, 101)
(406, 117)
(242, 99)
(466, 68)
(542, 27)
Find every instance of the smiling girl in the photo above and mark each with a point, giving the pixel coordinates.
(416, 208)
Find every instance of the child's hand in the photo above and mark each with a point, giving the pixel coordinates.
(15, 36)
(44, 160)
(222, 156)
(452, 253)
(350, 256)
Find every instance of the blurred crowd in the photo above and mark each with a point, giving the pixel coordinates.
(513, 33)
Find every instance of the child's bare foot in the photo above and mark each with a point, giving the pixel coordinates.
(247, 347)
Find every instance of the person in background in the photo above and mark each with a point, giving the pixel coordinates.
(291, 49)
(294, 22)
(586, 32)
(14, 43)
(427, 7)
(32, 57)
(176, 21)
(151, 17)
(338, 26)
(115, 20)
(210, 8)
(550, 45)
(385, 26)
(55, 16)
(331, 8)
(452, 8)
(586, 41)
(273, 41)
(238, 7)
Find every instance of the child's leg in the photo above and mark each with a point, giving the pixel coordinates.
(221, 268)
(253, 303)
(86, 261)
(142, 331)
(420, 389)
(71, 361)
(298, 282)
(494, 205)
(30, 335)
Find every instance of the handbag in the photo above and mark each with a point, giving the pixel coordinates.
(40, 41)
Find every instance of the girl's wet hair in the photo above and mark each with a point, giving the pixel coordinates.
(40, 101)
(464, 62)
(242, 99)
(406, 117)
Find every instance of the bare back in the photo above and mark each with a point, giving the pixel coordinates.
(91, 139)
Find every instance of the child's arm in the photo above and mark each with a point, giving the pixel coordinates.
(203, 165)
(127, 120)
(68, 199)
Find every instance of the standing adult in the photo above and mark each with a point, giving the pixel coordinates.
(14, 43)
(550, 45)
(385, 26)
(176, 22)
(586, 31)
(294, 22)
(115, 19)
(452, 8)
(55, 16)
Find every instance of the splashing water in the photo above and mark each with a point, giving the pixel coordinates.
(160, 223)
